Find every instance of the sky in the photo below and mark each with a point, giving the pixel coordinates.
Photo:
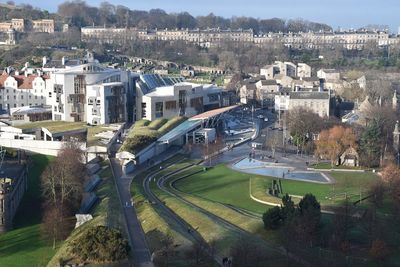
(337, 13)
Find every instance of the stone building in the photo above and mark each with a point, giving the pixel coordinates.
(349, 158)
(22, 25)
(351, 40)
(317, 102)
(13, 184)
(43, 25)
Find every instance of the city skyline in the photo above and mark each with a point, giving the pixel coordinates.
(341, 13)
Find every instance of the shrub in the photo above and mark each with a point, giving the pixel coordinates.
(172, 123)
(137, 142)
(156, 124)
(141, 123)
(100, 244)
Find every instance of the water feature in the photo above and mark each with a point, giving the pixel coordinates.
(252, 166)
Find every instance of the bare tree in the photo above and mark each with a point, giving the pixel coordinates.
(62, 181)
(272, 141)
(55, 224)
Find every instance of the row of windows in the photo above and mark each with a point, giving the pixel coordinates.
(22, 105)
(22, 97)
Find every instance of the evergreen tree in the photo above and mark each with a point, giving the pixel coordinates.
(272, 218)
(371, 144)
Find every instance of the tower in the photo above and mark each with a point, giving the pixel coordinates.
(394, 101)
(396, 137)
(11, 37)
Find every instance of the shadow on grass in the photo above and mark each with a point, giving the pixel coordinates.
(24, 246)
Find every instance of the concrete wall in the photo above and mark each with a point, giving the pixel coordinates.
(38, 146)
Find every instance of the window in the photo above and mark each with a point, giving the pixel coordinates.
(35, 96)
(22, 97)
(213, 97)
(55, 108)
(79, 84)
(170, 105)
(58, 88)
(159, 109)
(49, 94)
(143, 110)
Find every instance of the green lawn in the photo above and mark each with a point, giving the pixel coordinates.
(231, 187)
(223, 185)
(209, 229)
(24, 245)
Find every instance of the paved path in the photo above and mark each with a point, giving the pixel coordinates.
(140, 251)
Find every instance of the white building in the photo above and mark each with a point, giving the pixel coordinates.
(317, 102)
(89, 92)
(18, 90)
(183, 99)
(303, 70)
(285, 69)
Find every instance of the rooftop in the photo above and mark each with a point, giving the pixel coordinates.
(180, 130)
(309, 95)
(212, 113)
(29, 110)
(101, 134)
(54, 126)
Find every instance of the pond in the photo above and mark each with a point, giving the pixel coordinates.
(252, 166)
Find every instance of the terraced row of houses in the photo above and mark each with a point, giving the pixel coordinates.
(215, 37)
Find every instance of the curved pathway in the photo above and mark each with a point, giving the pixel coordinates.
(227, 224)
(192, 234)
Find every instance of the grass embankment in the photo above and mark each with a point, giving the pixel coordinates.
(221, 184)
(107, 212)
(250, 224)
(144, 132)
(227, 186)
(24, 245)
(54, 126)
(209, 229)
(155, 226)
